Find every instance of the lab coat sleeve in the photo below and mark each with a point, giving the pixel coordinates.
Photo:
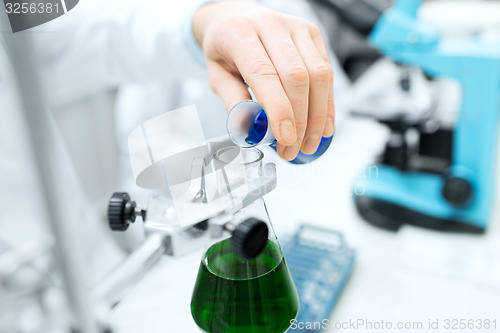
(119, 41)
(189, 39)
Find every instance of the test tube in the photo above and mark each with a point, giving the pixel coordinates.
(248, 127)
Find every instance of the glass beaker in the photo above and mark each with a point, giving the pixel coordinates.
(238, 293)
(248, 126)
(237, 167)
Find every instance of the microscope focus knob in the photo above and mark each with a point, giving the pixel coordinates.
(457, 191)
(121, 211)
(250, 238)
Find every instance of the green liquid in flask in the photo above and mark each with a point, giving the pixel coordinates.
(233, 295)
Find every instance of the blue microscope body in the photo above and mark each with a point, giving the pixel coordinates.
(461, 197)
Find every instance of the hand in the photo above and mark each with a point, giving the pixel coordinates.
(282, 58)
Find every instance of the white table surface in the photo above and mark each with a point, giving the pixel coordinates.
(412, 275)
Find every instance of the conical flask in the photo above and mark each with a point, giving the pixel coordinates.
(243, 284)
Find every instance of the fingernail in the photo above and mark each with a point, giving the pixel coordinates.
(329, 128)
(291, 152)
(288, 132)
(311, 144)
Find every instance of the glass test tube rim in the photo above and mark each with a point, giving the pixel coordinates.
(260, 155)
(269, 136)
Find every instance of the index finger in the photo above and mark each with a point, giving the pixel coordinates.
(259, 73)
(317, 38)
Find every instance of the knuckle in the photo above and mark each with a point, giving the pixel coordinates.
(229, 105)
(298, 76)
(226, 34)
(238, 23)
(283, 106)
(234, 29)
(321, 73)
(214, 83)
(317, 119)
(299, 21)
(314, 29)
(279, 109)
(273, 18)
(301, 126)
(262, 68)
(301, 121)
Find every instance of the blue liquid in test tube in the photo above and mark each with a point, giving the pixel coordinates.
(255, 119)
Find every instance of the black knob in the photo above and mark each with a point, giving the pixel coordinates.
(250, 238)
(396, 152)
(457, 191)
(121, 211)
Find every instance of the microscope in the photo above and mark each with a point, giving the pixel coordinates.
(444, 179)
